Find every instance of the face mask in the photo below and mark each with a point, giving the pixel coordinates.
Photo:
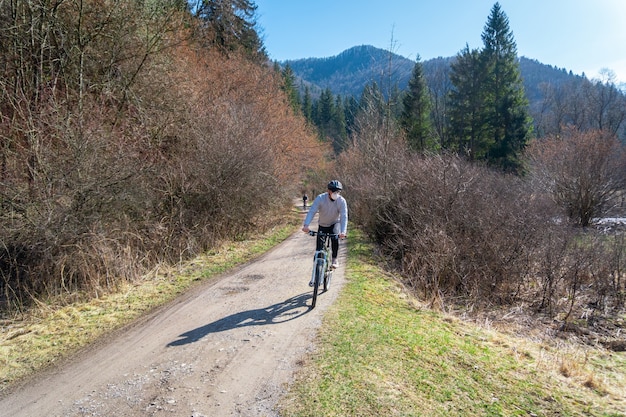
(334, 196)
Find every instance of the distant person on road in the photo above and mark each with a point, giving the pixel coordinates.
(304, 200)
(333, 217)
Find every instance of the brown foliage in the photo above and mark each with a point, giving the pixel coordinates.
(459, 232)
(140, 148)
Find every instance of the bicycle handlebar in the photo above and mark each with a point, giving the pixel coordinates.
(313, 233)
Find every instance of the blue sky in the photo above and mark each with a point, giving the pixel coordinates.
(578, 35)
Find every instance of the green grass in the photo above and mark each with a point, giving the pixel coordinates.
(379, 354)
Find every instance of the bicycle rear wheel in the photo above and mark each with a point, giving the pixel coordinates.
(319, 276)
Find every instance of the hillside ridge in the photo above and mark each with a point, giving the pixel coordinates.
(349, 71)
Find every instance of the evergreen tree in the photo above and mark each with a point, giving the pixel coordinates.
(506, 101)
(232, 26)
(323, 115)
(489, 111)
(373, 116)
(439, 87)
(307, 105)
(339, 126)
(394, 102)
(350, 109)
(328, 115)
(372, 98)
(415, 116)
(289, 87)
(469, 133)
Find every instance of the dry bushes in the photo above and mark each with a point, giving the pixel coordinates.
(584, 172)
(459, 232)
(457, 229)
(151, 150)
(68, 197)
(230, 169)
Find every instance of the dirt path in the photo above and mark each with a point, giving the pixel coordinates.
(226, 349)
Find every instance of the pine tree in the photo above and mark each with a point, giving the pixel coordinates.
(415, 116)
(489, 111)
(307, 105)
(289, 87)
(232, 26)
(506, 101)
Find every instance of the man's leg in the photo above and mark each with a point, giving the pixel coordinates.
(334, 244)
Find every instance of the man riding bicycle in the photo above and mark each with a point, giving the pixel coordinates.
(333, 218)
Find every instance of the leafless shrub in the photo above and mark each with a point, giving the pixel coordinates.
(466, 230)
(606, 259)
(456, 230)
(583, 171)
(452, 228)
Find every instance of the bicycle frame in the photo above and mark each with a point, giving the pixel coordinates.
(320, 258)
(321, 268)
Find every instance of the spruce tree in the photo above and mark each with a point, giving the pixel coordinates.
(289, 87)
(231, 26)
(506, 101)
(324, 115)
(340, 137)
(489, 110)
(415, 116)
(469, 130)
(307, 105)
(350, 109)
(372, 99)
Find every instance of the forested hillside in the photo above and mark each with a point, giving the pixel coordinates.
(547, 88)
(349, 72)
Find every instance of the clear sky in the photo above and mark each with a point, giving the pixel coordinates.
(583, 36)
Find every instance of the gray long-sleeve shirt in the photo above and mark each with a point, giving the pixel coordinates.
(330, 212)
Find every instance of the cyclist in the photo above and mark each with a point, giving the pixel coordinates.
(333, 218)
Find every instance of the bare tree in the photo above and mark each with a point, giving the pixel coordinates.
(607, 105)
(583, 171)
(585, 104)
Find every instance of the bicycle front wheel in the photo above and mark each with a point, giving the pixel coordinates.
(319, 276)
(327, 277)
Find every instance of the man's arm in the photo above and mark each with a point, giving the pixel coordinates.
(343, 220)
(309, 216)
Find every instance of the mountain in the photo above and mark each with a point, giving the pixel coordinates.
(347, 73)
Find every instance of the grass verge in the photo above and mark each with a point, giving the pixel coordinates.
(380, 354)
(51, 332)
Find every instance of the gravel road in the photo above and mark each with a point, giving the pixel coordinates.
(227, 348)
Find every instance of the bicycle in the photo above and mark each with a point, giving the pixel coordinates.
(322, 271)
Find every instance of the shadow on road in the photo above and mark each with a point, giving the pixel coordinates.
(289, 309)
